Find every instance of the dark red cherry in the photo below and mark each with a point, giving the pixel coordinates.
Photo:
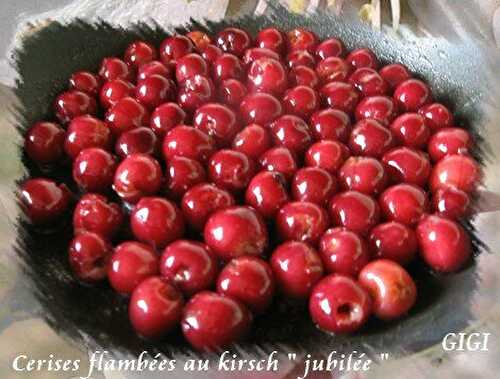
(114, 68)
(340, 95)
(190, 265)
(154, 90)
(254, 53)
(115, 90)
(338, 304)
(412, 94)
(126, 114)
(449, 141)
(84, 132)
(355, 211)
(73, 103)
(394, 241)
(297, 268)
(154, 68)
(189, 142)
(328, 155)
(194, 92)
(218, 121)
(291, 132)
(228, 66)
(93, 170)
(139, 53)
(362, 57)
(279, 159)
(210, 53)
(301, 101)
(253, 140)
(131, 263)
(272, 39)
(173, 48)
(369, 82)
(267, 75)
(267, 193)
(166, 117)
(85, 81)
(231, 169)
(95, 213)
(459, 171)
(190, 65)
(331, 47)
(232, 92)
(331, 124)
(410, 130)
(451, 203)
(200, 39)
(313, 184)
(370, 138)
(236, 231)
(380, 108)
(333, 69)
(437, 116)
(406, 165)
(303, 76)
(404, 203)
(137, 141)
(182, 174)
(394, 74)
(300, 58)
(44, 142)
(302, 39)
(260, 108)
(89, 255)
(363, 174)
(234, 41)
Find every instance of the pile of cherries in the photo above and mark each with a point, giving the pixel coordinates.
(229, 140)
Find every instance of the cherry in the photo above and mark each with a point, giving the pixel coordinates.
(406, 165)
(370, 138)
(114, 68)
(113, 91)
(343, 251)
(391, 288)
(297, 268)
(84, 132)
(194, 92)
(410, 130)
(85, 81)
(228, 66)
(300, 58)
(73, 103)
(154, 68)
(137, 141)
(279, 159)
(255, 53)
(249, 280)
(394, 74)
(302, 39)
(166, 117)
(154, 90)
(126, 114)
(253, 141)
(236, 231)
(443, 244)
(211, 321)
(139, 53)
(355, 211)
(303, 76)
(44, 142)
(44, 201)
(449, 141)
(267, 193)
(404, 203)
(369, 82)
(200, 39)
(412, 94)
(380, 108)
(218, 121)
(340, 95)
(210, 53)
(437, 116)
(301, 101)
(190, 265)
(394, 241)
(189, 142)
(93, 170)
(175, 47)
(272, 39)
(89, 256)
(363, 174)
(260, 108)
(331, 124)
(230, 169)
(182, 174)
(156, 221)
(291, 132)
(267, 75)
(331, 47)
(363, 57)
(301, 221)
(190, 65)
(333, 69)
(95, 213)
(200, 201)
(232, 92)
(451, 203)
(234, 41)
(130, 264)
(459, 171)
(328, 155)
(155, 307)
(313, 184)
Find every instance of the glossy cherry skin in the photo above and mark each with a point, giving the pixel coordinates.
(340, 95)
(139, 53)
(155, 307)
(86, 82)
(211, 321)
(236, 231)
(272, 39)
(89, 256)
(412, 94)
(300, 58)
(437, 116)
(234, 41)
(232, 92)
(267, 75)
(410, 130)
(279, 159)
(200, 201)
(363, 174)
(253, 140)
(297, 268)
(369, 82)
(394, 241)
(154, 90)
(267, 193)
(391, 287)
(199, 38)
(156, 221)
(449, 141)
(182, 174)
(154, 68)
(443, 244)
(249, 280)
(328, 155)
(43, 200)
(73, 103)
(313, 184)
(343, 251)
(189, 142)
(230, 169)
(194, 92)
(166, 117)
(44, 142)
(380, 108)
(457, 171)
(126, 114)
(301, 101)
(355, 211)
(228, 66)
(130, 264)
(303, 76)
(302, 39)
(331, 47)
(93, 170)
(137, 141)
(175, 47)
(190, 65)
(84, 132)
(254, 53)
(95, 213)
(370, 138)
(451, 203)
(333, 69)
(218, 121)
(404, 203)
(362, 57)
(406, 165)
(210, 53)
(338, 304)
(394, 74)
(260, 108)
(291, 132)
(301, 221)
(113, 91)
(190, 265)
(331, 124)
(114, 68)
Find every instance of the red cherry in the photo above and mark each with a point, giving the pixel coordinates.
(218, 121)
(126, 114)
(130, 264)
(370, 138)
(189, 142)
(291, 132)
(410, 130)
(89, 256)
(182, 174)
(190, 65)
(228, 66)
(340, 95)
(95, 213)
(331, 124)
(85, 81)
(333, 69)
(136, 141)
(267, 193)
(267, 75)
(449, 141)
(254, 53)
(300, 58)
(405, 165)
(155, 307)
(200, 201)
(328, 155)
(338, 304)
(232, 92)
(355, 211)
(73, 103)
(451, 203)
(394, 74)
(313, 184)
(173, 48)
(437, 116)
(260, 108)
(114, 68)
(443, 244)
(302, 39)
(331, 47)
(297, 268)
(236, 231)
(115, 90)
(279, 159)
(380, 108)
(249, 280)
(404, 203)
(211, 321)
(194, 92)
(234, 41)
(84, 132)
(301, 221)
(391, 288)
(231, 169)
(253, 141)
(303, 76)
(343, 251)
(139, 53)
(154, 90)
(301, 101)
(412, 94)
(166, 117)
(93, 170)
(210, 53)
(459, 171)
(190, 265)
(199, 38)
(154, 68)
(369, 82)
(156, 221)
(272, 39)
(394, 241)
(44, 142)
(363, 57)
(363, 174)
